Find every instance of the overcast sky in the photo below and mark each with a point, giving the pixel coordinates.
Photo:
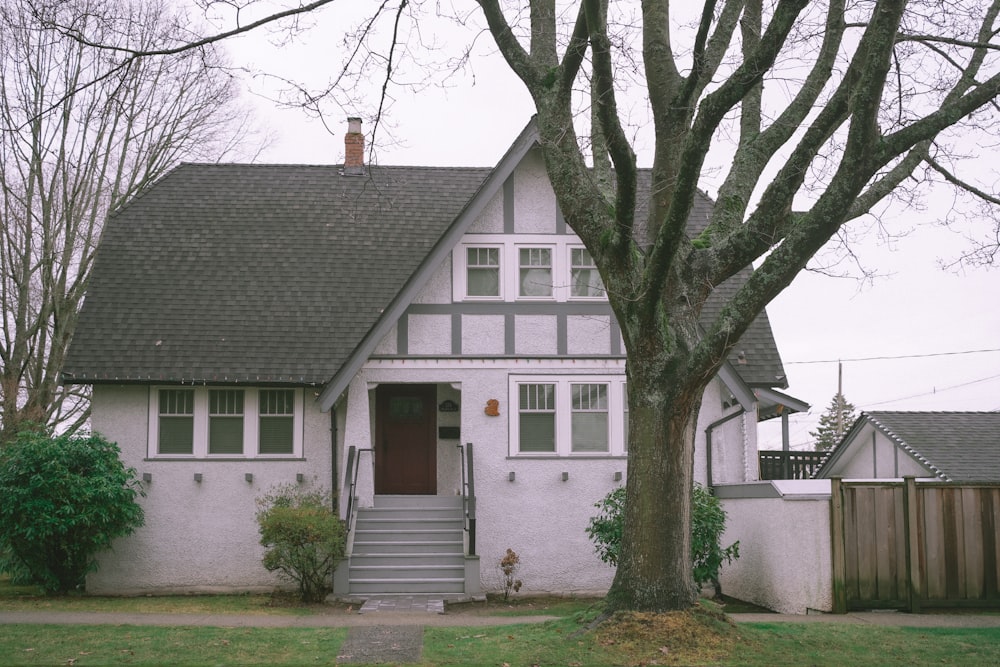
(919, 338)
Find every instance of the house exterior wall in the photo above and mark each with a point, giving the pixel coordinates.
(538, 514)
(785, 561)
(871, 455)
(198, 536)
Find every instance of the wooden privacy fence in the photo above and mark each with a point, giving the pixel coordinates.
(907, 545)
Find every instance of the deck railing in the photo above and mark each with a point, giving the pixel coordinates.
(779, 464)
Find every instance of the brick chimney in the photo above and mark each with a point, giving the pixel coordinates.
(354, 148)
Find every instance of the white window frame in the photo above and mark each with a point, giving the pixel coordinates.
(603, 296)
(564, 414)
(251, 421)
(553, 271)
(560, 246)
(461, 272)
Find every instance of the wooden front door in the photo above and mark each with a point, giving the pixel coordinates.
(406, 439)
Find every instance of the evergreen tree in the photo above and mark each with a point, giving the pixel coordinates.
(830, 430)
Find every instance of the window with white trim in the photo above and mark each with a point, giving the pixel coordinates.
(225, 421)
(530, 267)
(534, 272)
(209, 422)
(568, 415)
(537, 417)
(176, 421)
(589, 411)
(277, 421)
(585, 279)
(483, 272)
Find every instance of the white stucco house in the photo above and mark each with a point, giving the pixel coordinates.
(358, 328)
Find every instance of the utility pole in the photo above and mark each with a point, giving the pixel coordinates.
(840, 400)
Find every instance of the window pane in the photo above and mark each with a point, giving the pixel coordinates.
(276, 435)
(225, 421)
(176, 432)
(537, 425)
(590, 431)
(483, 277)
(538, 432)
(277, 402)
(585, 280)
(536, 272)
(590, 417)
(176, 435)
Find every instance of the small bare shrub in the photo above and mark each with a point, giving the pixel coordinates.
(509, 565)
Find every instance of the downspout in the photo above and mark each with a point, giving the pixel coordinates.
(708, 441)
(334, 479)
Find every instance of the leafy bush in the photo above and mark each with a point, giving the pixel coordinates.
(65, 499)
(303, 537)
(708, 522)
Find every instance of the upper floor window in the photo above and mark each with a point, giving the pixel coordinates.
(535, 272)
(585, 280)
(483, 277)
(207, 422)
(551, 267)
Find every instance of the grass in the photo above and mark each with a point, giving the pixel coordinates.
(703, 638)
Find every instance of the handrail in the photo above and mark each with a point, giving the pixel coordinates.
(351, 480)
(468, 495)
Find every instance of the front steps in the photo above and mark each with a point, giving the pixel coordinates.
(408, 545)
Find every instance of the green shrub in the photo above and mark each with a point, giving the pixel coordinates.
(303, 537)
(65, 499)
(708, 522)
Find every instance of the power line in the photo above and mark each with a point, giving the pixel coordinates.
(899, 356)
(936, 390)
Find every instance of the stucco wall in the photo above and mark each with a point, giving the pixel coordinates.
(198, 536)
(878, 458)
(785, 561)
(538, 515)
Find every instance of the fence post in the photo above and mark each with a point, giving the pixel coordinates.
(911, 528)
(839, 563)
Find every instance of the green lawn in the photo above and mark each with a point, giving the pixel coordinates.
(553, 643)
(701, 639)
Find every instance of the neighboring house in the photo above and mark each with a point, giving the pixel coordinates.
(949, 446)
(254, 325)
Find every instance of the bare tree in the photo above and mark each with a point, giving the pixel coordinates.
(823, 111)
(79, 135)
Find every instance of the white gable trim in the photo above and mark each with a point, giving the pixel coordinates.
(490, 187)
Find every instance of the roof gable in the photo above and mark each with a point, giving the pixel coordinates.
(955, 446)
(292, 274)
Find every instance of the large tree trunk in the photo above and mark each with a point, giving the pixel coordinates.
(664, 401)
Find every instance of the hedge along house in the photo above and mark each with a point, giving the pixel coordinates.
(434, 344)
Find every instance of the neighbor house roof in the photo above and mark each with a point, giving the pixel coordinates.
(956, 446)
(288, 274)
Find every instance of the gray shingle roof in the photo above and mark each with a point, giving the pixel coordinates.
(254, 273)
(275, 273)
(963, 446)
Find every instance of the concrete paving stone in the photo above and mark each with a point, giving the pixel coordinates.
(381, 644)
